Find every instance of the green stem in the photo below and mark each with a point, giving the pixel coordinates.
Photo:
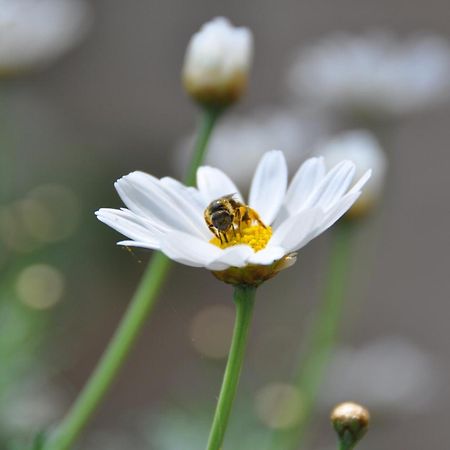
(324, 330)
(138, 311)
(204, 133)
(344, 446)
(347, 443)
(244, 297)
(8, 150)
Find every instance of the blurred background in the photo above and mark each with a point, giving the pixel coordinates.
(111, 103)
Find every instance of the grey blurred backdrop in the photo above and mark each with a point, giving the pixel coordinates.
(115, 104)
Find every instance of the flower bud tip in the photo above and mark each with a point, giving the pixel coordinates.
(350, 422)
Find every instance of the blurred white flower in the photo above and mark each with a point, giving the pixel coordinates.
(217, 62)
(363, 149)
(238, 142)
(389, 374)
(374, 73)
(35, 32)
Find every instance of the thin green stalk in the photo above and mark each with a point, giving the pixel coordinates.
(8, 163)
(138, 311)
(244, 297)
(324, 330)
(347, 444)
(344, 446)
(204, 133)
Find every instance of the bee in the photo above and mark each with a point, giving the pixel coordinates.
(225, 214)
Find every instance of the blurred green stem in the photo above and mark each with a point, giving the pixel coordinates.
(347, 444)
(323, 336)
(244, 297)
(138, 311)
(344, 446)
(7, 150)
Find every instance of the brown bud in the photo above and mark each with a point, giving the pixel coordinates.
(351, 422)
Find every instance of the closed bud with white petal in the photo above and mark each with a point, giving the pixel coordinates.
(217, 63)
(363, 149)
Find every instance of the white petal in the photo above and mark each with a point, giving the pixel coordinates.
(337, 211)
(361, 182)
(268, 255)
(333, 186)
(190, 194)
(295, 230)
(144, 195)
(305, 181)
(235, 256)
(269, 186)
(142, 202)
(343, 205)
(148, 245)
(189, 249)
(146, 222)
(213, 184)
(124, 222)
(187, 200)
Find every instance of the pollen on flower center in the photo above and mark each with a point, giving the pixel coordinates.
(256, 236)
(242, 225)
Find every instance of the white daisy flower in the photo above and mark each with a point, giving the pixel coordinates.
(373, 73)
(35, 32)
(246, 242)
(217, 62)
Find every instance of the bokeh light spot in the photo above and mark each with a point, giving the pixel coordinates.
(40, 286)
(50, 213)
(279, 405)
(210, 331)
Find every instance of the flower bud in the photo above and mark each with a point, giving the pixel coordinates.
(217, 63)
(351, 422)
(363, 149)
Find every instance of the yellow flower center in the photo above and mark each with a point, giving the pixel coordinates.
(248, 230)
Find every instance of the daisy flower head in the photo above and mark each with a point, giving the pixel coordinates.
(212, 226)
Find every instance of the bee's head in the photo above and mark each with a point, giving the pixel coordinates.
(221, 213)
(222, 219)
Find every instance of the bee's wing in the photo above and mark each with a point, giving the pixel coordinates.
(232, 197)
